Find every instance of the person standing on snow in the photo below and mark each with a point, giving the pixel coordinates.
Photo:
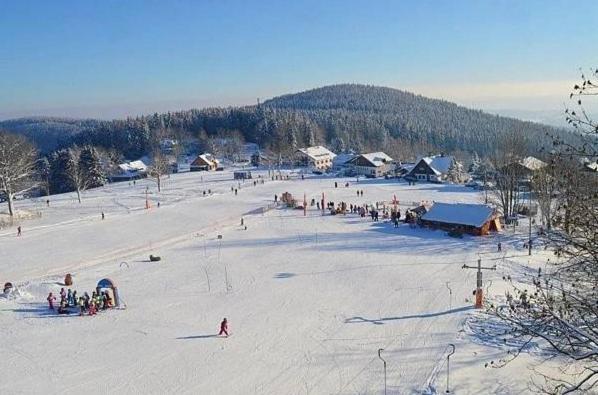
(223, 328)
(51, 298)
(69, 297)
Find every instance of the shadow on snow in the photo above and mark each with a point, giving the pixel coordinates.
(380, 321)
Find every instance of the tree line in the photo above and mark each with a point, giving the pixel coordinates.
(344, 117)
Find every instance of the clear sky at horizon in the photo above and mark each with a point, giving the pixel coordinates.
(113, 58)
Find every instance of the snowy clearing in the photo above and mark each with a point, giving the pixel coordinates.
(310, 299)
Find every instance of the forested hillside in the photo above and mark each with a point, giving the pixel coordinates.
(344, 117)
(48, 133)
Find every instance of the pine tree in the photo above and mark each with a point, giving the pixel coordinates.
(43, 173)
(475, 163)
(58, 180)
(455, 173)
(91, 167)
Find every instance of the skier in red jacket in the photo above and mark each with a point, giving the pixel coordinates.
(223, 328)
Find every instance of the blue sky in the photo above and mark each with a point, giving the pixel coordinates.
(114, 58)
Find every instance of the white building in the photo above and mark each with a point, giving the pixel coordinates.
(205, 162)
(341, 161)
(129, 171)
(317, 157)
(375, 164)
(431, 168)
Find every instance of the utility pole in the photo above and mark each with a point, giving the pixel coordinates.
(147, 204)
(304, 204)
(382, 359)
(478, 291)
(529, 238)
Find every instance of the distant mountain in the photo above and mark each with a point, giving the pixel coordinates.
(359, 113)
(48, 133)
(344, 117)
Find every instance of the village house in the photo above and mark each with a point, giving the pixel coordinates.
(133, 170)
(181, 165)
(258, 158)
(473, 219)
(524, 170)
(341, 161)
(431, 168)
(589, 166)
(205, 162)
(375, 164)
(168, 146)
(317, 157)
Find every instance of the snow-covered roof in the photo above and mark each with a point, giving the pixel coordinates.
(377, 158)
(341, 159)
(209, 158)
(439, 164)
(133, 166)
(591, 166)
(317, 152)
(459, 213)
(407, 166)
(532, 163)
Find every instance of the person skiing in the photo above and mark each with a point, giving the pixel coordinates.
(19, 230)
(62, 294)
(51, 298)
(499, 247)
(223, 328)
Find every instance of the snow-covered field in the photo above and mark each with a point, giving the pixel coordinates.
(310, 299)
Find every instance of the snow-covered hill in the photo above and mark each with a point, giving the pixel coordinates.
(310, 299)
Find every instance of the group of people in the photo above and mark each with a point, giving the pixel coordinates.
(86, 304)
(374, 211)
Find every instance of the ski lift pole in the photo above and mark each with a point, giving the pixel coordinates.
(478, 291)
(383, 361)
(304, 204)
(448, 361)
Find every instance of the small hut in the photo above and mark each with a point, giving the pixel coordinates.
(474, 219)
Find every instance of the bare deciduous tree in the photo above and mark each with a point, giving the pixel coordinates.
(160, 166)
(559, 308)
(545, 185)
(511, 149)
(17, 165)
(75, 172)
